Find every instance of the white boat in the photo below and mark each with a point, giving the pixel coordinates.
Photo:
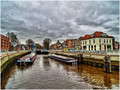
(63, 58)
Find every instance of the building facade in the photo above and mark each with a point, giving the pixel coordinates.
(57, 46)
(97, 41)
(77, 44)
(117, 45)
(5, 43)
(53, 47)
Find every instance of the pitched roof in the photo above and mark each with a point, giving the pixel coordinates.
(87, 36)
(68, 40)
(95, 34)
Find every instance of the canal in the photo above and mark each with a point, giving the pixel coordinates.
(47, 73)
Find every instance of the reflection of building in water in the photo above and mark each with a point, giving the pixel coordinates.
(107, 81)
(95, 76)
(46, 63)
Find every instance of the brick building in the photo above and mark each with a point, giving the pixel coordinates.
(77, 44)
(57, 46)
(53, 47)
(5, 43)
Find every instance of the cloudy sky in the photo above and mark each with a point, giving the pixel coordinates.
(59, 20)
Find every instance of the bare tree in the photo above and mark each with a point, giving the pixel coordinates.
(46, 43)
(13, 39)
(29, 43)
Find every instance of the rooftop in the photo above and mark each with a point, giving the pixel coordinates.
(95, 34)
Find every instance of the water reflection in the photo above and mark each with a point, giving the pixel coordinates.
(48, 73)
(7, 75)
(21, 68)
(46, 63)
(96, 76)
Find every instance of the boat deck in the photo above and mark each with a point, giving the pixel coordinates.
(64, 57)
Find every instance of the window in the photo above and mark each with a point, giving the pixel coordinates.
(84, 47)
(85, 42)
(93, 40)
(89, 41)
(94, 47)
(92, 35)
(104, 34)
(107, 40)
(108, 47)
(110, 41)
(104, 40)
(100, 46)
(99, 40)
(104, 47)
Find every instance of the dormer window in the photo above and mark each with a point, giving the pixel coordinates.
(104, 34)
(92, 35)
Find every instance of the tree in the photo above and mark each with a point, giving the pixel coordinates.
(14, 41)
(29, 43)
(46, 43)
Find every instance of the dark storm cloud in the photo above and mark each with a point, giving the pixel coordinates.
(59, 20)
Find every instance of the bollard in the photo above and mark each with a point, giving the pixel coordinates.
(107, 64)
(80, 58)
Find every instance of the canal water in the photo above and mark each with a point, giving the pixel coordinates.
(47, 73)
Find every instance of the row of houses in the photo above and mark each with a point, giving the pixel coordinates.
(95, 41)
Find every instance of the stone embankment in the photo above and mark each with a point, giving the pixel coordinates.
(93, 59)
(7, 59)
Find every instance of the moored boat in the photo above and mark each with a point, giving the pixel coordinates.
(63, 59)
(29, 59)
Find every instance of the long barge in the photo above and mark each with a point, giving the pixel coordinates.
(29, 59)
(63, 59)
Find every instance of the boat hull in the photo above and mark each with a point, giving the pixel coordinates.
(63, 60)
(24, 62)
